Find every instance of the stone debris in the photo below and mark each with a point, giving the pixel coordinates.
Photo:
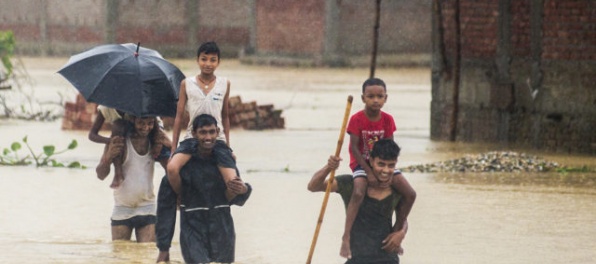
(488, 162)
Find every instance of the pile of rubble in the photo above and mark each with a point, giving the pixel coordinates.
(488, 162)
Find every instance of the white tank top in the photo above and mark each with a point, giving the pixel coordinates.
(135, 195)
(200, 103)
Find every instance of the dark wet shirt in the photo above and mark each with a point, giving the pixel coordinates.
(207, 229)
(372, 225)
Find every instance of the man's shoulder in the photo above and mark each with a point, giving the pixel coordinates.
(344, 177)
(345, 183)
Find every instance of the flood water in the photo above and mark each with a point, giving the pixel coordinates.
(57, 215)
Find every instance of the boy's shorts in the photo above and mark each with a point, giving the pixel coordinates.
(359, 172)
(137, 221)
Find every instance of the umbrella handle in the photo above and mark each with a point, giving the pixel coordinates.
(137, 52)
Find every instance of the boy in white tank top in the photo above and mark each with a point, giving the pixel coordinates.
(206, 93)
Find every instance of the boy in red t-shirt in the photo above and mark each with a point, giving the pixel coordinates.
(365, 128)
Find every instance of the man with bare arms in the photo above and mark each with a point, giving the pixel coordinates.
(134, 201)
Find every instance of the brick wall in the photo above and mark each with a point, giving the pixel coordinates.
(294, 27)
(478, 28)
(570, 31)
(520, 28)
(545, 99)
(65, 27)
(404, 26)
(290, 27)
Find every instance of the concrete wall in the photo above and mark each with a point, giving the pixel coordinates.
(526, 73)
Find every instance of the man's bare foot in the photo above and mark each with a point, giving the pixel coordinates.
(345, 249)
(163, 257)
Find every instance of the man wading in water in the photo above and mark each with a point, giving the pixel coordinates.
(134, 200)
(206, 226)
(373, 237)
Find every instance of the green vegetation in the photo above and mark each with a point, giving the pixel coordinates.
(7, 45)
(566, 169)
(10, 156)
(17, 90)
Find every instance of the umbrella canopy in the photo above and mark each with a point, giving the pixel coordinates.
(136, 80)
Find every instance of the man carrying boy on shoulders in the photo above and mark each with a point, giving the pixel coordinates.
(373, 239)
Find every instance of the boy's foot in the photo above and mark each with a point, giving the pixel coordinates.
(116, 183)
(118, 179)
(345, 251)
(163, 257)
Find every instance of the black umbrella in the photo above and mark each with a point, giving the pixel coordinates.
(132, 79)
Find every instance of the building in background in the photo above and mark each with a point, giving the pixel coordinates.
(320, 32)
(521, 73)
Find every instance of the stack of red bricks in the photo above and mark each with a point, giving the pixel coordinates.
(80, 115)
(254, 117)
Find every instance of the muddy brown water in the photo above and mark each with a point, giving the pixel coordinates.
(56, 215)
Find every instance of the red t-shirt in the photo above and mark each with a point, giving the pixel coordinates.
(369, 132)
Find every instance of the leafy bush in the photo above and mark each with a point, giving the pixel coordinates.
(17, 98)
(7, 45)
(10, 156)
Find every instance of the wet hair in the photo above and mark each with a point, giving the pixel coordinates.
(373, 81)
(153, 134)
(203, 120)
(208, 48)
(385, 149)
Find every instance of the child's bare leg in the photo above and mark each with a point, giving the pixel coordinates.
(118, 172)
(119, 129)
(166, 141)
(360, 184)
(158, 143)
(105, 151)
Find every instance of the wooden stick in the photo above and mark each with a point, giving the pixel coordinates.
(342, 133)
